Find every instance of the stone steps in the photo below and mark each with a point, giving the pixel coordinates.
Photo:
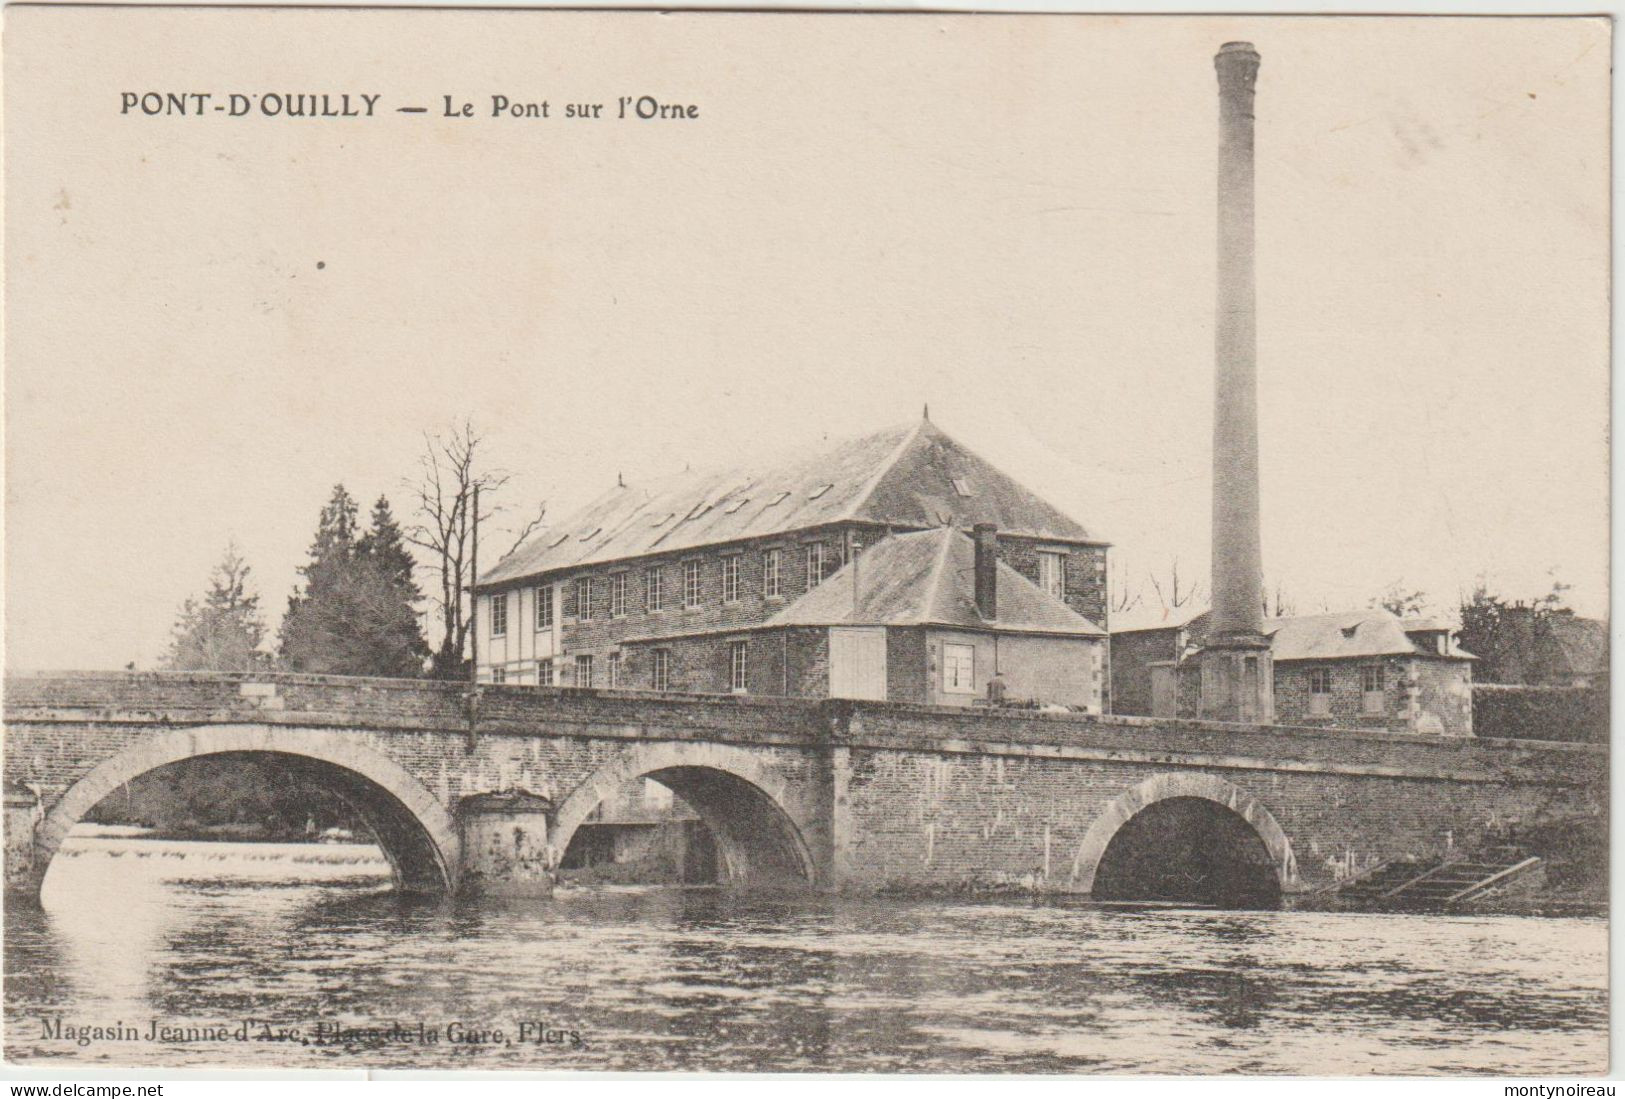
(1436, 884)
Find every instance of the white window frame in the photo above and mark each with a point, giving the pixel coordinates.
(544, 672)
(617, 595)
(1373, 700)
(660, 673)
(499, 675)
(498, 605)
(583, 599)
(1320, 692)
(691, 584)
(958, 668)
(730, 577)
(815, 564)
(772, 574)
(544, 607)
(614, 673)
(738, 655)
(1052, 573)
(584, 663)
(654, 589)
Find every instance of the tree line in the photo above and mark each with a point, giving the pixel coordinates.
(359, 609)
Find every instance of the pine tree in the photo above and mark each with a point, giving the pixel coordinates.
(223, 632)
(357, 614)
(389, 596)
(314, 631)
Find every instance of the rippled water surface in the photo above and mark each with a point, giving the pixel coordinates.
(207, 935)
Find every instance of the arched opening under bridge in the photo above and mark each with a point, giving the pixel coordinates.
(247, 783)
(725, 821)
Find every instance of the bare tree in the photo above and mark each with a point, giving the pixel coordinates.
(1173, 597)
(1284, 605)
(1401, 601)
(1122, 598)
(449, 473)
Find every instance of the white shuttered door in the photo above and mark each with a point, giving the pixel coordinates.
(857, 662)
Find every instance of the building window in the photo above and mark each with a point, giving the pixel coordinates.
(1373, 699)
(617, 595)
(1052, 573)
(654, 589)
(499, 675)
(771, 584)
(815, 564)
(691, 583)
(662, 670)
(730, 578)
(583, 671)
(544, 673)
(1320, 691)
(736, 665)
(544, 607)
(584, 599)
(959, 669)
(614, 669)
(499, 615)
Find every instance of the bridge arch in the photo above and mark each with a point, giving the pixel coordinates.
(737, 795)
(416, 833)
(1197, 807)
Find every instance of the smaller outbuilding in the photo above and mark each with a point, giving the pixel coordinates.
(1367, 669)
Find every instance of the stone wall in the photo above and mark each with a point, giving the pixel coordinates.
(858, 795)
(1085, 572)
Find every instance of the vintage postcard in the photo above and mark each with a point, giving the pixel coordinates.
(819, 542)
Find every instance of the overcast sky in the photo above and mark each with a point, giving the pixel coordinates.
(211, 321)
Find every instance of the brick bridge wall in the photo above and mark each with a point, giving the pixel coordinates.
(850, 795)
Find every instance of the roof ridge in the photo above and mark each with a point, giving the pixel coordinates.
(862, 497)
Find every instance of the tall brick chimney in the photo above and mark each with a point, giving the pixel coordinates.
(987, 571)
(1237, 679)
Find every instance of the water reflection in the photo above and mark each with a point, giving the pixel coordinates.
(674, 979)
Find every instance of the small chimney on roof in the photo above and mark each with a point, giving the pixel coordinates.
(987, 571)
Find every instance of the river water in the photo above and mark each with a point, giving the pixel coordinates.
(307, 940)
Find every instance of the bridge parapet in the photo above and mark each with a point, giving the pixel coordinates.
(179, 698)
(846, 794)
(1216, 744)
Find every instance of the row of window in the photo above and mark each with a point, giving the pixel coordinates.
(549, 674)
(1373, 690)
(1372, 678)
(654, 588)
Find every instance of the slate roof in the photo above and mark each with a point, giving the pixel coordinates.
(911, 476)
(1339, 635)
(928, 578)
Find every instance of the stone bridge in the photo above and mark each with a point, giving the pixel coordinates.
(835, 795)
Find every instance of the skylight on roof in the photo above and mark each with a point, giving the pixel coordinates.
(819, 491)
(962, 487)
(779, 499)
(737, 504)
(559, 541)
(662, 520)
(589, 535)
